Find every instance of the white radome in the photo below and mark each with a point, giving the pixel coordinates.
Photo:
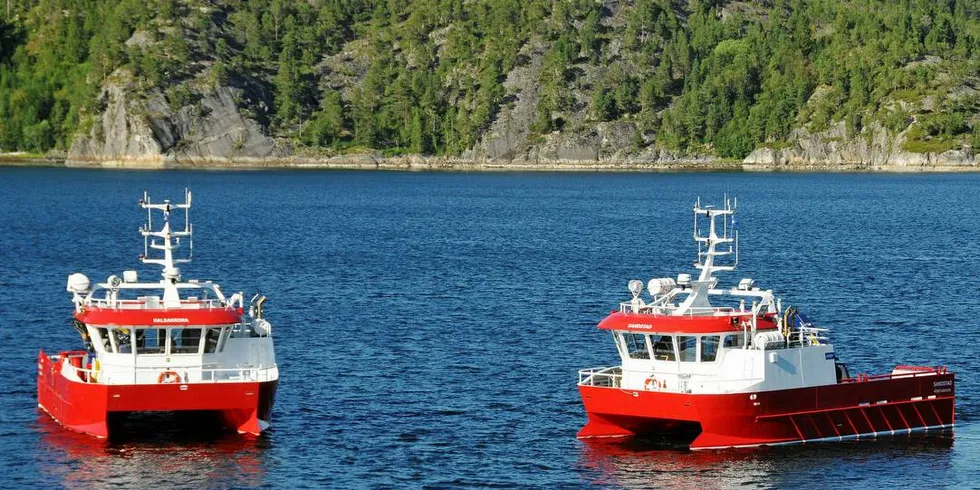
(78, 283)
(683, 279)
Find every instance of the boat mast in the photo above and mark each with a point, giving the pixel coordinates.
(708, 244)
(171, 274)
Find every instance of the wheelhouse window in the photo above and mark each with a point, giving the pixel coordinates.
(709, 348)
(636, 345)
(211, 339)
(663, 347)
(151, 340)
(185, 340)
(687, 348)
(103, 340)
(734, 340)
(123, 338)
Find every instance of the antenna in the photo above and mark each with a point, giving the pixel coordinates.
(708, 251)
(167, 237)
(709, 240)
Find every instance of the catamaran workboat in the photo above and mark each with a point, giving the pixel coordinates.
(716, 368)
(162, 346)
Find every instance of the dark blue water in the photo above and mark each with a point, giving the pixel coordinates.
(430, 326)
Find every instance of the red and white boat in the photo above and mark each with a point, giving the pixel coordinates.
(169, 345)
(717, 368)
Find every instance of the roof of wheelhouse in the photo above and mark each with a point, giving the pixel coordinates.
(701, 324)
(159, 317)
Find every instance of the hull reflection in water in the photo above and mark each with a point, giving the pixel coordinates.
(663, 462)
(180, 449)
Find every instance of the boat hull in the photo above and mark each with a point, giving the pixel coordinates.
(853, 409)
(85, 407)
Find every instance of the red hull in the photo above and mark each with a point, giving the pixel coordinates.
(84, 407)
(848, 410)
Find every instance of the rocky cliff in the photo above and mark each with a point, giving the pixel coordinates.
(143, 130)
(874, 149)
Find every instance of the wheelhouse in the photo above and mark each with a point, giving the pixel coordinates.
(675, 347)
(165, 341)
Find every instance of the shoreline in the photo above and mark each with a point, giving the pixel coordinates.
(442, 164)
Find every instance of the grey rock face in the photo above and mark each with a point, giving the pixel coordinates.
(117, 137)
(874, 148)
(507, 137)
(147, 132)
(216, 131)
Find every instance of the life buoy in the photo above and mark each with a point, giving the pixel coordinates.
(651, 384)
(168, 377)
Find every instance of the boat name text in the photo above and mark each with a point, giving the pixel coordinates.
(640, 326)
(171, 320)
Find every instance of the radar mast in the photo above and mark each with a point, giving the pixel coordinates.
(708, 251)
(169, 241)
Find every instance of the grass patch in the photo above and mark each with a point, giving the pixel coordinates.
(937, 145)
(907, 95)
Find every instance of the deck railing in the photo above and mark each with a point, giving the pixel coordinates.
(627, 307)
(153, 303)
(612, 377)
(203, 373)
(606, 377)
(914, 372)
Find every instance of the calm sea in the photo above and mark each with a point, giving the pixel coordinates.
(430, 325)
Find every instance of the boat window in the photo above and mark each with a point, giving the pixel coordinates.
(211, 340)
(663, 347)
(124, 340)
(151, 340)
(687, 348)
(734, 340)
(618, 340)
(709, 348)
(103, 339)
(636, 345)
(185, 340)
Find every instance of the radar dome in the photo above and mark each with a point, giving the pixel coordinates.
(78, 283)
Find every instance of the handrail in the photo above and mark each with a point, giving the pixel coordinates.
(207, 374)
(143, 304)
(627, 307)
(90, 375)
(863, 378)
(612, 376)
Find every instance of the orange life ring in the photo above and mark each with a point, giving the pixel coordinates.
(168, 377)
(651, 384)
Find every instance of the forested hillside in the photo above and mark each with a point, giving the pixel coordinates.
(432, 77)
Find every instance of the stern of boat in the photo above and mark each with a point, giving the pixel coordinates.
(79, 404)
